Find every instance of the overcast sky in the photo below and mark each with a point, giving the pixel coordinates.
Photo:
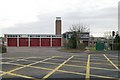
(38, 16)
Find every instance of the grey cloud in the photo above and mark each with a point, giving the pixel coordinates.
(100, 19)
(110, 13)
(45, 24)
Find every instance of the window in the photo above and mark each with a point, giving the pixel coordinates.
(84, 35)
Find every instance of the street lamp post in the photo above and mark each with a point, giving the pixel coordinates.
(113, 34)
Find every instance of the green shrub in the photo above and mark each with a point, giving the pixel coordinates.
(81, 46)
(116, 46)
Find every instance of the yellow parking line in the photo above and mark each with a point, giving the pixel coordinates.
(75, 55)
(50, 63)
(32, 66)
(8, 58)
(98, 60)
(23, 76)
(102, 76)
(111, 62)
(90, 62)
(113, 56)
(83, 74)
(1, 72)
(46, 76)
(16, 64)
(88, 68)
(25, 66)
(103, 68)
(82, 66)
(67, 71)
(71, 72)
(52, 69)
(17, 60)
(92, 67)
(63, 71)
(77, 61)
(57, 56)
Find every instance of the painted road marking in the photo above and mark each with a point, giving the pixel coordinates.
(102, 76)
(69, 71)
(111, 62)
(23, 59)
(66, 65)
(88, 68)
(49, 74)
(113, 56)
(79, 61)
(52, 69)
(23, 76)
(76, 73)
(90, 62)
(26, 66)
(31, 66)
(82, 66)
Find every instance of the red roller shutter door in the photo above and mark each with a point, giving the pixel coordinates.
(34, 42)
(45, 42)
(56, 42)
(23, 42)
(12, 42)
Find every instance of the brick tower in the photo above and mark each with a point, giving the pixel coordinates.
(58, 25)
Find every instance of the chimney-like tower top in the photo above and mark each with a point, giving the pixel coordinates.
(58, 26)
(58, 18)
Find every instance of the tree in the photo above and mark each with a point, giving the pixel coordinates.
(117, 42)
(117, 39)
(108, 35)
(72, 41)
(76, 30)
(79, 28)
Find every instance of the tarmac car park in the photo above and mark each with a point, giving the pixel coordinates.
(75, 66)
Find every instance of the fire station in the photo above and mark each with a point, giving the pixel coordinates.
(36, 40)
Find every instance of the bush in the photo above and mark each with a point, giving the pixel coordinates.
(81, 46)
(116, 46)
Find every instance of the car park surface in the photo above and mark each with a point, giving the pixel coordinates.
(62, 66)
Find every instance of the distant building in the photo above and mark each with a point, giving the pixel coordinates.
(93, 40)
(58, 25)
(84, 37)
(33, 40)
(36, 40)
